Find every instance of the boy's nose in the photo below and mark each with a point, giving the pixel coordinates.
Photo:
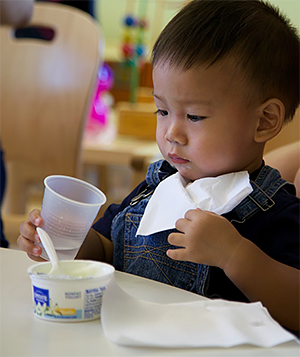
(175, 133)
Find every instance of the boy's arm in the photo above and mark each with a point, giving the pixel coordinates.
(262, 278)
(96, 247)
(210, 239)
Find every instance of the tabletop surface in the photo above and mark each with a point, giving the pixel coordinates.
(121, 150)
(22, 334)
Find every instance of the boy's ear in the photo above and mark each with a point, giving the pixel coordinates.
(271, 118)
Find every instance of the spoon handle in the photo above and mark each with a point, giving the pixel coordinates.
(48, 245)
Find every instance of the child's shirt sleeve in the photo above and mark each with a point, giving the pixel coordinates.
(103, 225)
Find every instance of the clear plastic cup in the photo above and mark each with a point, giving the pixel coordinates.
(69, 208)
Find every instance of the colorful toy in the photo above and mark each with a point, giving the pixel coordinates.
(100, 107)
(133, 46)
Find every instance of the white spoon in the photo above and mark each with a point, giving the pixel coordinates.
(49, 247)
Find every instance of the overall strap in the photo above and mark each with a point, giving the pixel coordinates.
(267, 183)
(158, 171)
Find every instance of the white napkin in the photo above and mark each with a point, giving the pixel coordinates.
(204, 323)
(173, 197)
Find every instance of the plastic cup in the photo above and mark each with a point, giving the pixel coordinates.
(69, 208)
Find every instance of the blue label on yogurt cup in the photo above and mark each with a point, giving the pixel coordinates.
(41, 296)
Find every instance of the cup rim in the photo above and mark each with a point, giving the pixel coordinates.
(100, 194)
(31, 273)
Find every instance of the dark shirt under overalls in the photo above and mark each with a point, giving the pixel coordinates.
(269, 217)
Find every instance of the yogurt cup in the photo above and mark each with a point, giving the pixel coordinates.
(73, 297)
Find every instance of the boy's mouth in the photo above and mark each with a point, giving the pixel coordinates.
(177, 159)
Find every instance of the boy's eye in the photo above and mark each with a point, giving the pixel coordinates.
(195, 117)
(161, 112)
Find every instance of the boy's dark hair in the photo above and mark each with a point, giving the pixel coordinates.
(254, 33)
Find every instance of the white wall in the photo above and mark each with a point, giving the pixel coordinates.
(291, 8)
(110, 13)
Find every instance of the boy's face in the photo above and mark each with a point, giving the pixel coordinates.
(204, 127)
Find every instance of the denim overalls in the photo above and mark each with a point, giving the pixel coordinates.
(146, 255)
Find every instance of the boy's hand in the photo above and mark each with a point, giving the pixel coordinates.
(28, 236)
(206, 238)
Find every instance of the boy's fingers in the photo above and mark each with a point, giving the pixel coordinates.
(33, 257)
(35, 217)
(176, 254)
(27, 230)
(28, 246)
(175, 239)
(180, 224)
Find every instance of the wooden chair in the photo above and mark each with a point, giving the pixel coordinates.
(46, 88)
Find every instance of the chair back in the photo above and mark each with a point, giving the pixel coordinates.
(46, 88)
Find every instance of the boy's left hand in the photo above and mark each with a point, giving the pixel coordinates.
(206, 238)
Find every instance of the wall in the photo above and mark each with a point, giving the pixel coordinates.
(111, 13)
(291, 8)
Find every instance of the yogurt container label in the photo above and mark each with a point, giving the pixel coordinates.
(70, 305)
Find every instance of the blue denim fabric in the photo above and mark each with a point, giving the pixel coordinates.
(267, 183)
(146, 255)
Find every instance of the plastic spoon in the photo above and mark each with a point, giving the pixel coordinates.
(49, 247)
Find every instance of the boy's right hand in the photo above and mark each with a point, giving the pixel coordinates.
(28, 235)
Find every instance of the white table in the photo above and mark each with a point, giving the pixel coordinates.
(22, 334)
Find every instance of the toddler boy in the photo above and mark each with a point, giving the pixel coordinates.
(226, 79)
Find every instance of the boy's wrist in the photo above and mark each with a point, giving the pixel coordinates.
(238, 258)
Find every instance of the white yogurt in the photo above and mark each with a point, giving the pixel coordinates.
(74, 296)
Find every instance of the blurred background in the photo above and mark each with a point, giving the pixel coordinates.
(119, 134)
